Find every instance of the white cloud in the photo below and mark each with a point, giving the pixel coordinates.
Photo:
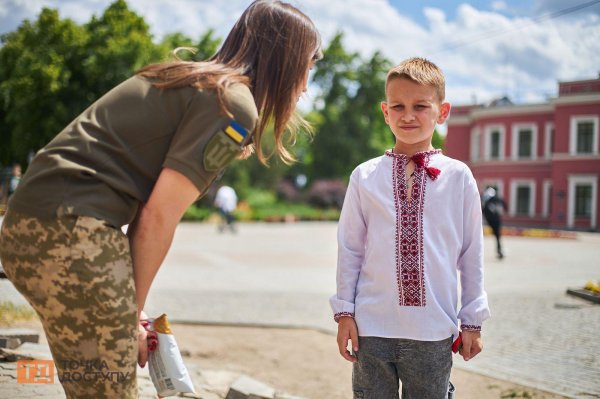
(483, 53)
(368, 25)
(529, 58)
(499, 5)
(487, 55)
(79, 11)
(192, 17)
(29, 5)
(435, 16)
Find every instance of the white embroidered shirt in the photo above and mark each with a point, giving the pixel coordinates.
(399, 260)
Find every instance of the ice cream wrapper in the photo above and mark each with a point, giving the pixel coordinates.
(168, 373)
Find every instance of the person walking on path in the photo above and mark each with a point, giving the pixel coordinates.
(410, 225)
(493, 208)
(140, 155)
(226, 202)
(15, 179)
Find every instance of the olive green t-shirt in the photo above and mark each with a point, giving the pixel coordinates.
(105, 162)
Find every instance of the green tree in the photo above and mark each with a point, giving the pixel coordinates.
(437, 140)
(164, 50)
(206, 46)
(52, 69)
(351, 128)
(363, 110)
(119, 44)
(41, 81)
(334, 74)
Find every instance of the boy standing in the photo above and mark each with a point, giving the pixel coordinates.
(411, 221)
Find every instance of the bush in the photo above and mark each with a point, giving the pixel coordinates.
(196, 213)
(262, 205)
(327, 193)
(287, 191)
(260, 198)
(286, 212)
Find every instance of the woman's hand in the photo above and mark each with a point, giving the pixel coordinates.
(142, 345)
(147, 340)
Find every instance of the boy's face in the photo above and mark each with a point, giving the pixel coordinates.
(412, 111)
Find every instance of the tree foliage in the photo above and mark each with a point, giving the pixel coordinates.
(51, 69)
(41, 81)
(119, 43)
(351, 128)
(205, 48)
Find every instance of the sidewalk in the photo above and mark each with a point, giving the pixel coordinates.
(282, 275)
(277, 360)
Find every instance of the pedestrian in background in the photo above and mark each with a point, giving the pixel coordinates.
(226, 202)
(141, 155)
(493, 209)
(15, 179)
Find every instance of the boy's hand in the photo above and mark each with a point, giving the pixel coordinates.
(471, 344)
(347, 330)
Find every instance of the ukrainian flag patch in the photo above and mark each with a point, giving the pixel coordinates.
(236, 132)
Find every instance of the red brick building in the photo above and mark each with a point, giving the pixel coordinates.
(543, 159)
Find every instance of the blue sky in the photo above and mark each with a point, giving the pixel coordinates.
(509, 8)
(415, 8)
(487, 48)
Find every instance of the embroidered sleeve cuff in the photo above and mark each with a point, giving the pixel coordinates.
(470, 327)
(340, 305)
(337, 316)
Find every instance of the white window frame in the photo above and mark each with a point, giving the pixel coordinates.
(547, 187)
(488, 142)
(475, 144)
(573, 133)
(516, 129)
(574, 180)
(514, 184)
(549, 134)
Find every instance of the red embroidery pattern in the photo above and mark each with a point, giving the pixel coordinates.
(421, 160)
(410, 274)
(469, 327)
(337, 316)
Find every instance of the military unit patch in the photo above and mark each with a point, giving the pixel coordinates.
(224, 146)
(236, 132)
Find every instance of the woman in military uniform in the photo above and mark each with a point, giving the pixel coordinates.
(140, 155)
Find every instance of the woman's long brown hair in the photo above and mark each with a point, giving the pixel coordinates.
(270, 49)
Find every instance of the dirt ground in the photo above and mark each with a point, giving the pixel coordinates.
(301, 362)
(306, 362)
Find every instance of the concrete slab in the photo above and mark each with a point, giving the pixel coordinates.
(27, 351)
(248, 388)
(9, 343)
(23, 334)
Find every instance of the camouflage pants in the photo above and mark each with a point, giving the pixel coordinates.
(77, 274)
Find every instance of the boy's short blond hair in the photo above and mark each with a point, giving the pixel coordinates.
(421, 71)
